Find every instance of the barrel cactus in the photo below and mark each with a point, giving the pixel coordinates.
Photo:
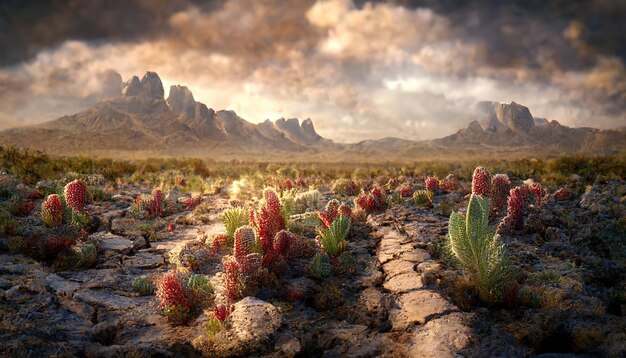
(52, 211)
(481, 182)
(75, 194)
(500, 187)
(432, 184)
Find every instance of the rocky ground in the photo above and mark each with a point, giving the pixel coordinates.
(403, 299)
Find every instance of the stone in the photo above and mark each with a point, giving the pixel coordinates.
(288, 345)
(123, 198)
(104, 333)
(404, 282)
(397, 267)
(143, 260)
(61, 286)
(417, 307)
(139, 242)
(374, 301)
(111, 242)
(253, 322)
(441, 337)
(125, 227)
(104, 299)
(107, 218)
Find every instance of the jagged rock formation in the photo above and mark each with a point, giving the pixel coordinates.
(140, 119)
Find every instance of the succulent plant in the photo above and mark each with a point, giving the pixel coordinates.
(157, 203)
(249, 265)
(269, 219)
(476, 249)
(52, 211)
(373, 201)
(333, 239)
(345, 187)
(218, 241)
(232, 282)
(176, 302)
(330, 213)
(481, 182)
(221, 312)
(199, 285)
(282, 242)
(406, 191)
(423, 198)
(233, 219)
(245, 240)
(515, 209)
(321, 265)
(449, 184)
(345, 210)
(432, 184)
(75, 194)
(143, 286)
(500, 187)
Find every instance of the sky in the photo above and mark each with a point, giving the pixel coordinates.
(359, 69)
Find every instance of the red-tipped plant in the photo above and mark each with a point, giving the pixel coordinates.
(406, 191)
(157, 203)
(481, 182)
(244, 242)
(500, 187)
(52, 211)
(75, 194)
(219, 240)
(221, 312)
(449, 184)
(432, 184)
(268, 220)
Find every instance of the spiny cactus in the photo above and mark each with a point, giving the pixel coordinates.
(52, 211)
(232, 280)
(245, 240)
(221, 312)
(345, 210)
(176, 302)
(143, 286)
(75, 194)
(250, 265)
(233, 219)
(330, 213)
(423, 198)
(406, 191)
(157, 202)
(476, 249)
(521, 199)
(449, 184)
(372, 201)
(321, 265)
(268, 220)
(282, 242)
(432, 184)
(481, 182)
(333, 239)
(218, 241)
(500, 187)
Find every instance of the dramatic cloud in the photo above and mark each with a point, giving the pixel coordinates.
(359, 70)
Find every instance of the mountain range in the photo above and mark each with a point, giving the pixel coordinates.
(142, 122)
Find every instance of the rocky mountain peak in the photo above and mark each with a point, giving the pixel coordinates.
(515, 116)
(150, 86)
(181, 99)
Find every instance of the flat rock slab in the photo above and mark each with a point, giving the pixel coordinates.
(442, 337)
(397, 267)
(105, 299)
(61, 286)
(111, 242)
(404, 282)
(143, 260)
(125, 226)
(417, 307)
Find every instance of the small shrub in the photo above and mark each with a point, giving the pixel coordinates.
(143, 286)
(233, 219)
(333, 239)
(423, 198)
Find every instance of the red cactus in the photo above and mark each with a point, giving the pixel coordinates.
(157, 202)
(75, 195)
(221, 312)
(34, 195)
(374, 200)
(328, 217)
(52, 210)
(171, 227)
(172, 292)
(54, 245)
(432, 183)
(219, 240)
(22, 208)
(249, 265)
(500, 187)
(481, 182)
(282, 242)
(563, 194)
(537, 189)
(406, 191)
(345, 210)
(449, 184)
(244, 242)
(191, 203)
(232, 282)
(517, 197)
(269, 220)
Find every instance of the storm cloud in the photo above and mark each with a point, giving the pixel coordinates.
(410, 69)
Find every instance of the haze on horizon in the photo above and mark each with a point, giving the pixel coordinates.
(409, 69)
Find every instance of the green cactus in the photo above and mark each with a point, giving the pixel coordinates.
(423, 198)
(476, 249)
(143, 286)
(321, 266)
(333, 238)
(233, 219)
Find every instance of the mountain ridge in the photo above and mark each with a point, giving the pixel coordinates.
(141, 119)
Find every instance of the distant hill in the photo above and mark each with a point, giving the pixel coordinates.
(142, 122)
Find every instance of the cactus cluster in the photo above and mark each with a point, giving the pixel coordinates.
(179, 292)
(500, 187)
(242, 267)
(219, 240)
(375, 200)
(330, 212)
(481, 182)
(332, 239)
(221, 312)
(151, 205)
(431, 184)
(75, 193)
(345, 187)
(521, 199)
(268, 221)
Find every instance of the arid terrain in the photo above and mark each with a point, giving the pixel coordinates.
(145, 260)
